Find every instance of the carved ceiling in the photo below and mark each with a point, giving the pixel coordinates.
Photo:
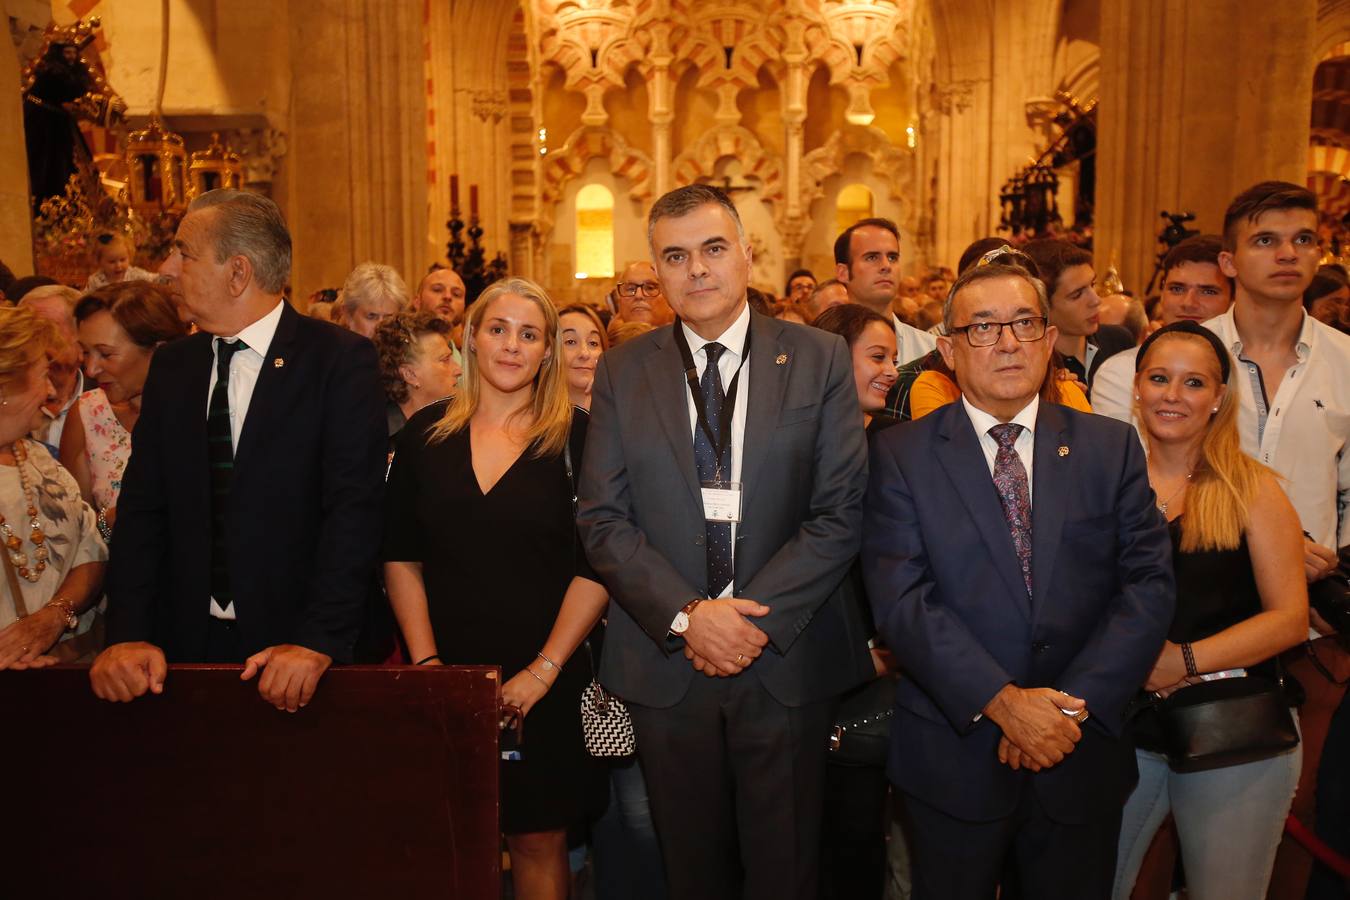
(727, 45)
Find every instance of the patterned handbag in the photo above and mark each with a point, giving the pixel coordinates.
(605, 723)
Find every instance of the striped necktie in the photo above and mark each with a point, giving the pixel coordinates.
(220, 445)
(721, 568)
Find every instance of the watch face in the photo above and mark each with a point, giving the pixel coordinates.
(681, 622)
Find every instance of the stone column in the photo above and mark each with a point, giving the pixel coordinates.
(661, 108)
(16, 235)
(1186, 121)
(357, 139)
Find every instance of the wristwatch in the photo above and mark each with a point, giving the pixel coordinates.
(67, 610)
(681, 623)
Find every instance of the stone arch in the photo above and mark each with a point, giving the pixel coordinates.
(700, 161)
(895, 164)
(583, 145)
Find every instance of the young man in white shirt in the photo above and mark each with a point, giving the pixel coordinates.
(1292, 375)
(1193, 288)
(867, 263)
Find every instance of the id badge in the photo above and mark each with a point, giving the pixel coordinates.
(722, 501)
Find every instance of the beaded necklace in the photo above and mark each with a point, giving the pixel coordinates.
(13, 545)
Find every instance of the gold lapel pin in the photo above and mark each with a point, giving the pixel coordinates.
(279, 363)
(782, 359)
(1063, 451)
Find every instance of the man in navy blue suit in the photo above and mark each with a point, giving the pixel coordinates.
(249, 517)
(1022, 576)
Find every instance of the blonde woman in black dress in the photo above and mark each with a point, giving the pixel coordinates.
(483, 566)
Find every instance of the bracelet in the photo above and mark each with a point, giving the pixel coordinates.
(1189, 657)
(549, 665)
(423, 662)
(66, 608)
(537, 678)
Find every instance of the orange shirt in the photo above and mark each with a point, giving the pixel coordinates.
(933, 389)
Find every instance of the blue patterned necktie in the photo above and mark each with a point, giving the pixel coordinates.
(220, 452)
(720, 568)
(1010, 478)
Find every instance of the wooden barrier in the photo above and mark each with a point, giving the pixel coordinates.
(384, 786)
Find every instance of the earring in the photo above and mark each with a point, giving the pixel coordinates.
(1136, 396)
(1214, 411)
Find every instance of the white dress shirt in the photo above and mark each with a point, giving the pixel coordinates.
(245, 366)
(1304, 431)
(1024, 446)
(1026, 440)
(910, 342)
(733, 339)
(1113, 388)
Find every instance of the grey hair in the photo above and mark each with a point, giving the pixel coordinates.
(371, 281)
(60, 291)
(684, 200)
(976, 274)
(250, 225)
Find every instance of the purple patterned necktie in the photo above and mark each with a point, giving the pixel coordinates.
(1010, 478)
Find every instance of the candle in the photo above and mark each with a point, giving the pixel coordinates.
(473, 200)
(454, 192)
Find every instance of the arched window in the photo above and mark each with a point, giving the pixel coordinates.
(595, 232)
(854, 203)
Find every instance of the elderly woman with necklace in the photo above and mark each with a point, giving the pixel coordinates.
(53, 556)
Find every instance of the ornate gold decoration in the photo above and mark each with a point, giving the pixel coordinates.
(156, 161)
(217, 166)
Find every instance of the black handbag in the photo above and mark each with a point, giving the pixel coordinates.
(862, 731)
(1226, 722)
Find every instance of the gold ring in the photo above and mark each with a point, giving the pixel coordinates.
(740, 657)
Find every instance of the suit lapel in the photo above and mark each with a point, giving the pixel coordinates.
(262, 406)
(768, 382)
(968, 470)
(669, 394)
(1052, 463)
(196, 397)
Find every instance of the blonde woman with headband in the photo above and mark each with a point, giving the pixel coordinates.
(503, 581)
(1237, 552)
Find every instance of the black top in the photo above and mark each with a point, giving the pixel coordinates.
(496, 566)
(1216, 589)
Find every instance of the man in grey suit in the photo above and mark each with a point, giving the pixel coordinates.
(721, 497)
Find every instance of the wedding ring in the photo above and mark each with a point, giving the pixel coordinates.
(740, 657)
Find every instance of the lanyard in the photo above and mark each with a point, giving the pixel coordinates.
(720, 442)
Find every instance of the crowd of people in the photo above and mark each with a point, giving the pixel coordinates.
(943, 586)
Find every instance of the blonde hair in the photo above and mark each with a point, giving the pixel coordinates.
(25, 337)
(549, 410)
(1225, 481)
(369, 283)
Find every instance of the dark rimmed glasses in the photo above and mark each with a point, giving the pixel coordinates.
(987, 334)
(631, 288)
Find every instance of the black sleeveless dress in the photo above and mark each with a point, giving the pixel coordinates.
(496, 566)
(1216, 589)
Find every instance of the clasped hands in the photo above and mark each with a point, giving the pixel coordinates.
(721, 640)
(290, 673)
(1037, 733)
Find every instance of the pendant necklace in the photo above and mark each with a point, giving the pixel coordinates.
(1162, 507)
(13, 544)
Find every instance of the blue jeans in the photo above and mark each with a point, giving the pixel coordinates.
(1229, 821)
(627, 857)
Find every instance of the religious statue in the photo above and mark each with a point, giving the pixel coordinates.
(61, 90)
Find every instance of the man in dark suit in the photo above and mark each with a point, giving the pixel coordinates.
(249, 518)
(720, 502)
(1022, 576)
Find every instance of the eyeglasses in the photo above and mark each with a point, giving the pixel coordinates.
(648, 288)
(987, 334)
